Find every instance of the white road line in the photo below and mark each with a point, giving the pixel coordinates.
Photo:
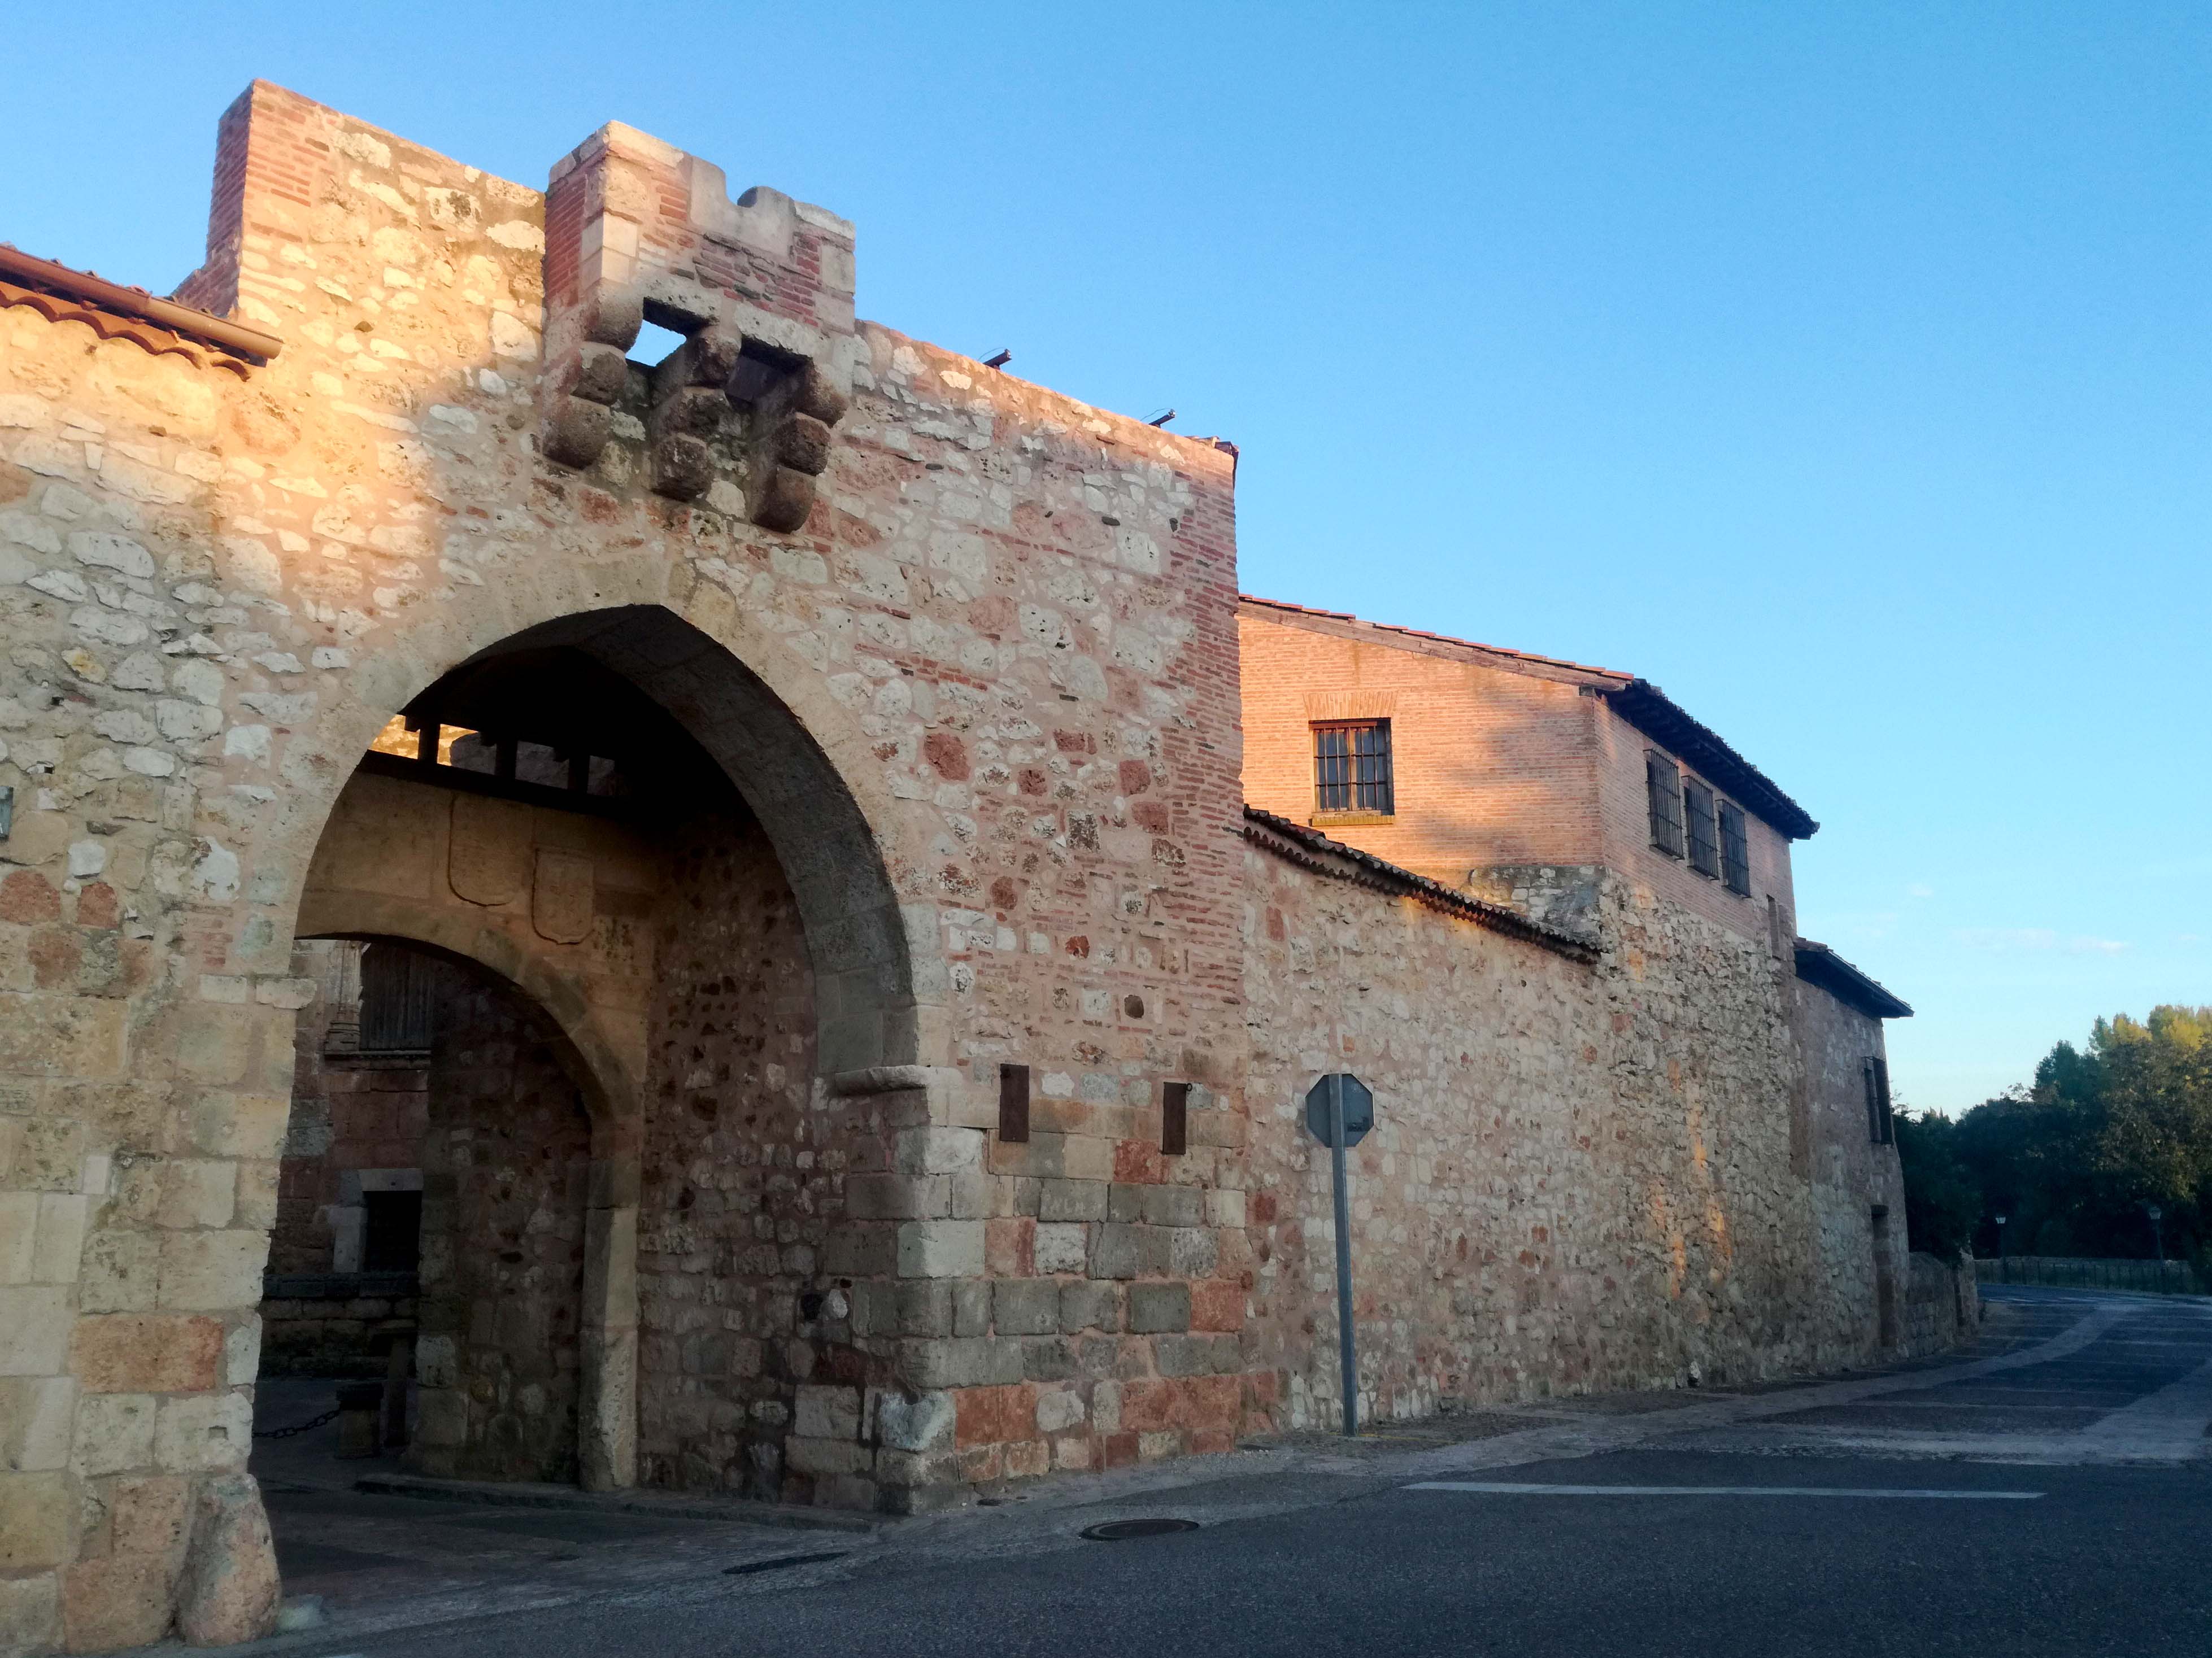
(1507, 1487)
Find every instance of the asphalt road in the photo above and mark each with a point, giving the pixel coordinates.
(2048, 1493)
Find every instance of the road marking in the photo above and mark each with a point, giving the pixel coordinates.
(1505, 1487)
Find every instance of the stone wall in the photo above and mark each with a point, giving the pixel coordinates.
(1580, 1177)
(506, 1171)
(981, 697)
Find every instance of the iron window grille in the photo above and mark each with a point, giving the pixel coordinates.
(1698, 807)
(1351, 767)
(1664, 784)
(399, 992)
(1736, 850)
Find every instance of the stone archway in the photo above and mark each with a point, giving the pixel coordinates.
(600, 909)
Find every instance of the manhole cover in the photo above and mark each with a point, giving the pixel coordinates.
(1120, 1531)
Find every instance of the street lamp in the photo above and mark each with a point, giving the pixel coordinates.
(2004, 1267)
(2157, 1231)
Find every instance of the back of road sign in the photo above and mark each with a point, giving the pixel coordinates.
(1359, 1109)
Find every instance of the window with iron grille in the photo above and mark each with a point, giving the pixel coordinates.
(1664, 786)
(1351, 766)
(1698, 807)
(1735, 851)
(1882, 1121)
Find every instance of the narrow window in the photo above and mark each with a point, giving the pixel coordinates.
(1735, 851)
(1873, 1102)
(1888, 1131)
(1698, 806)
(1773, 927)
(1174, 1118)
(391, 1231)
(1014, 1102)
(400, 993)
(1664, 784)
(1351, 767)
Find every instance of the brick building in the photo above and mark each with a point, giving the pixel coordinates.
(800, 785)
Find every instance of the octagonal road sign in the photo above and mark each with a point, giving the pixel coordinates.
(1359, 1108)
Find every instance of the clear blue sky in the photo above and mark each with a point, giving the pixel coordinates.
(1842, 369)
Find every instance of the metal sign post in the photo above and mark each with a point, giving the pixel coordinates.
(1340, 1110)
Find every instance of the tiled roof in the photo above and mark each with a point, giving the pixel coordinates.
(1639, 702)
(160, 327)
(1817, 964)
(1310, 849)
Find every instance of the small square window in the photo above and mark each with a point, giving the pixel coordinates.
(391, 1231)
(1351, 767)
(1735, 851)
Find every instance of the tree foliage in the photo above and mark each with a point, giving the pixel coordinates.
(2073, 1162)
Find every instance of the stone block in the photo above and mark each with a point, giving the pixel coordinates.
(898, 1197)
(1115, 1251)
(116, 1601)
(1159, 1308)
(228, 1592)
(1191, 1252)
(1058, 1409)
(921, 1423)
(1048, 1358)
(1089, 1305)
(826, 1457)
(1062, 1247)
(114, 1433)
(203, 1433)
(150, 1516)
(122, 1271)
(1174, 1206)
(1225, 1209)
(963, 1362)
(924, 1309)
(34, 1328)
(971, 1308)
(992, 1416)
(215, 1270)
(30, 1612)
(36, 1412)
(1217, 1304)
(930, 1151)
(827, 1412)
(61, 1237)
(19, 1236)
(1071, 1200)
(38, 1514)
(941, 1248)
(1025, 1306)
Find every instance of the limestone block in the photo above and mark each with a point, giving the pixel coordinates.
(1115, 1251)
(898, 1197)
(228, 1592)
(37, 1511)
(929, 1151)
(827, 1412)
(121, 1272)
(1174, 1206)
(203, 1433)
(114, 1433)
(145, 1354)
(61, 1237)
(58, 1037)
(116, 1601)
(36, 1412)
(1063, 1247)
(971, 1307)
(923, 1422)
(212, 1271)
(1058, 1409)
(34, 1328)
(1159, 1307)
(30, 1612)
(241, 1352)
(19, 1236)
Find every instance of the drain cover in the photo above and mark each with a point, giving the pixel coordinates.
(1120, 1531)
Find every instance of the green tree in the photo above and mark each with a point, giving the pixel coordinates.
(1942, 1199)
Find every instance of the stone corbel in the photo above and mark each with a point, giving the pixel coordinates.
(583, 415)
(790, 405)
